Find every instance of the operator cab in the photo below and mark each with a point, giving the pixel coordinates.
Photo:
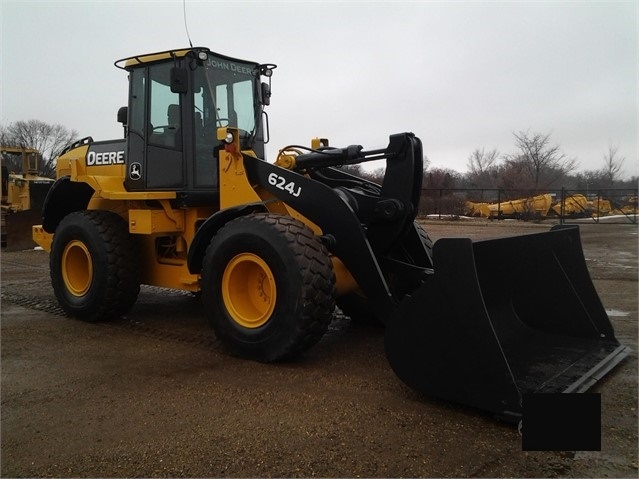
(177, 100)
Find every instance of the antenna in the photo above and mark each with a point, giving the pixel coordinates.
(186, 27)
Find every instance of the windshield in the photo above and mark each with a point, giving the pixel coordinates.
(225, 94)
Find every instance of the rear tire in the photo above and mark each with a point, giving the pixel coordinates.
(94, 266)
(267, 287)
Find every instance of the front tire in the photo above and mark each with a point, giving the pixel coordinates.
(267, 287)
(94, 266)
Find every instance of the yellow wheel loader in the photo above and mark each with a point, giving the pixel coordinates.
(23, 195)
(186, 200)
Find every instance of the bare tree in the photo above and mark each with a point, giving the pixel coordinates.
(426, 162)
(544, 162)
(48, 139)
(590, 180)
(482, 168)
(612, 164)
(438, 195)
(514, 178)
(376, 176)
(355, 170)
(480, 161)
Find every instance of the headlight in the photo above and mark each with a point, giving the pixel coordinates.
(229, 137)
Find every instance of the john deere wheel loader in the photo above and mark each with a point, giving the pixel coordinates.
(186, 200)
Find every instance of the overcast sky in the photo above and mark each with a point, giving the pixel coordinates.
(460, 75)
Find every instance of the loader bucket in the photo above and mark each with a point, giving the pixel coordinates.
(16, 233)
(501, 318)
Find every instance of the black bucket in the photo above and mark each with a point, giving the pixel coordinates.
(17, 229)
(501, 318)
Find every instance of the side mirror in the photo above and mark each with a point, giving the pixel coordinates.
(179, 80)
(266, 94)
(123, 114)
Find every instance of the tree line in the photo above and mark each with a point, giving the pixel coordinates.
(537, 164)
(50, 140)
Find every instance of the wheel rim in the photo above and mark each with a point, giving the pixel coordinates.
(77, 268)
(248, 290)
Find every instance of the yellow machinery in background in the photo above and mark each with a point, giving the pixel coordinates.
(23, 196)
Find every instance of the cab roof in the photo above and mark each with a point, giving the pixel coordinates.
(137, 60)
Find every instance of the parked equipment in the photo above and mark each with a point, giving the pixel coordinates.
(187, 201)
(23, 195)
(535, 207)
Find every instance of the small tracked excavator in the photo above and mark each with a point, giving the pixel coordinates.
(186, 200)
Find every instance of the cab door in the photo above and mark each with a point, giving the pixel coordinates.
(155, 156)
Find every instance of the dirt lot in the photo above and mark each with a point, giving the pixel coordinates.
(153, 395)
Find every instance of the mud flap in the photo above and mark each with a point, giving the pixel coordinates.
(501, 318)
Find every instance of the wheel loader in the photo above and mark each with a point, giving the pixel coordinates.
(23, 195)
(187, 200)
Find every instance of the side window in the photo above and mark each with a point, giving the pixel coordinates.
(222, 104)
(138, 97)
(243, 103)
(234, 104)
(164, 113)
(198, 119)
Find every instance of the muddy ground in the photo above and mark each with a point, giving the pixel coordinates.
(153, 394)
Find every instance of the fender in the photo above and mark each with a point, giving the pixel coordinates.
(211, 226)
(64, 197)
(322, 205)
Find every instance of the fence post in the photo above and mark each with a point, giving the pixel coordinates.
(562, 209)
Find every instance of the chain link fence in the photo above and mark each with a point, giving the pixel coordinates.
(614, 205)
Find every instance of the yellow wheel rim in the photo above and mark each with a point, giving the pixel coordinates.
(248, 290)
(77, 268)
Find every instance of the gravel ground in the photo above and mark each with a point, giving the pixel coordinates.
(154, 395)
